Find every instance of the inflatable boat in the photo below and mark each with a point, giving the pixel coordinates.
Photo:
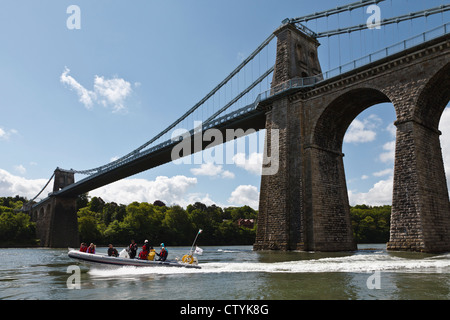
(187, 261)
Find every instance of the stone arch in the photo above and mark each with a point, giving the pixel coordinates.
(41, 214)
(339, 114)
(433, 99)
(331, 225)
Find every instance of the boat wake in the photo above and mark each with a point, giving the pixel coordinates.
(357, 263)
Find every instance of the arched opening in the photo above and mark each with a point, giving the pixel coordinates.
(434, 98)
(41, 213)
(329, 133)
(369, 148)
(444, 127)
(332, 222)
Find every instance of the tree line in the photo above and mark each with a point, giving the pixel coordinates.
(16, 228)
(104, 223)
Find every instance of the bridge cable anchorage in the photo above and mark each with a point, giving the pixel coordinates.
(327, 13)
(406, 17)
(184, 116)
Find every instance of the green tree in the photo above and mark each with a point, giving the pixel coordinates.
(96, 204)
(207, 219)
(82, 201)
(178, 229)
(370, 224)
(244, 212)
(88, 226)
(118, 232)
(143, 220)
(16, 227)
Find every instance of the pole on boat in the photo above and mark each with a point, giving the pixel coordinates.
(189, 258)
(192, 248)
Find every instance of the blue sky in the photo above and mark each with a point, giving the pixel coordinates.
(80, 98)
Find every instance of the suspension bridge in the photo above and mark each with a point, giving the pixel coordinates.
(310, 110)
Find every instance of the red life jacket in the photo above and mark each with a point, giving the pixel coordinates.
(144, 253)
(90, 250)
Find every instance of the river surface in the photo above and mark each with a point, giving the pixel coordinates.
(231, 273)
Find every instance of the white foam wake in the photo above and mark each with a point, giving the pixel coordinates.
(356, 263)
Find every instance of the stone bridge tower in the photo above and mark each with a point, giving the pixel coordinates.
(56, 217)
(297, 55)
(285, 220)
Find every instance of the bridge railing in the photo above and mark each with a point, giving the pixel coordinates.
(290, 84)
(388, 51)
(297, 83)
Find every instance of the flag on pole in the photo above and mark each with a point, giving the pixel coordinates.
(198, 250)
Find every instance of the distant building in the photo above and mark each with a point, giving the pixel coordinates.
(247, 223)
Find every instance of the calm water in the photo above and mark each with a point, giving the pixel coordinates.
(234, 272)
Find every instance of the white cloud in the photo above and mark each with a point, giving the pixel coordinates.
(199, 197)
(245, 195)
(108, 92)
(207, 169)
(228, 175)
(380, 194)
(383, 173)
(6, 134)
(86, 96)
(2, 134)
(392, 129)
(20, 169)
(211, 170)
(362, 131)
(172, 190)
(113, 92)
(252, 164)
(11, 185)
(389, 155)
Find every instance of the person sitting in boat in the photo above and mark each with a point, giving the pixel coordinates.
(112, 252)
(145, 251)
(151, 255)
(91, 248)
(132, 249)
(83, 247)
(163, 253)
